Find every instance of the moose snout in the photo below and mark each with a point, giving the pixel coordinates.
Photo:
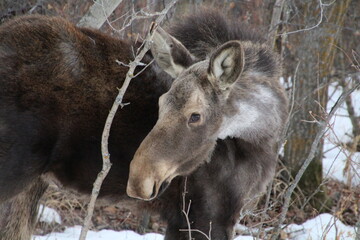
(147, 180)
(144, 189)
(142, 182)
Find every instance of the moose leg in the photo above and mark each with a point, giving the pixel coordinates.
(18, 215)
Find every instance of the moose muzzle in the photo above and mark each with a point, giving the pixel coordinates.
(147, 181)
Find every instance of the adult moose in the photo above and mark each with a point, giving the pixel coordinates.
(218, 121)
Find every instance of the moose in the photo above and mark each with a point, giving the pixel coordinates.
(202, 125)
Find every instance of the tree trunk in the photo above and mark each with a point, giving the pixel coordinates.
(315, 49)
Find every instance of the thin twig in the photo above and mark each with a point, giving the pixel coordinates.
(118, 102)
(98, 13)
(275, 20)
(186, 211)
(135, 16)
(322, 130)
(321, 5)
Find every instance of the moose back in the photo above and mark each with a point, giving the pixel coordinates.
(207, 113)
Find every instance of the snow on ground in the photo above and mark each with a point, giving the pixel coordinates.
(324, 226)
(48, 215)
(73, 233)
(336, 156)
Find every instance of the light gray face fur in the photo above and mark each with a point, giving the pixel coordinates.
(212, 99)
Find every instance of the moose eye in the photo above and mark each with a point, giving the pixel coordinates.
(195, 117)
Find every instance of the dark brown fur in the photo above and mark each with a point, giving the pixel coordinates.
(58, 83)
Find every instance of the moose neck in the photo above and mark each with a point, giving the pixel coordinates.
(251, 112)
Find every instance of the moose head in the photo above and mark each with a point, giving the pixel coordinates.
(191, 114)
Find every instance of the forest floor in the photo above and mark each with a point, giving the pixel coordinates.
(345, 206)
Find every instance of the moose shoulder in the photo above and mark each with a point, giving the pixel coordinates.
(214, 127)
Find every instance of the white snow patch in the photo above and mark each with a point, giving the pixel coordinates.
(48, 215)
(244, 238)
(249, 231)
(73, 233)
(324, 226)
(336, 156)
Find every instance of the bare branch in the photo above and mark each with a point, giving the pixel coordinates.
(186, 212)
(322, 130)
(141, 14)
(98, 13)
(321, 5)
(275, 20)
(351, 110)
(118, 102)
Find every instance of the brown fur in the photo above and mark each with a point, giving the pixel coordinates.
(19, 213)
(58, 83)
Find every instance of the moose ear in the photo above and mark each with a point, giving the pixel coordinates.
(169, 53)
(226, 65)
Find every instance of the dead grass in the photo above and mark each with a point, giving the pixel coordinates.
(345, 206)
(72, 210)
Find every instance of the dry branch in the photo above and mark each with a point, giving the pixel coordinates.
(128, 21)
(322, 130)
(321, 5)
(275, 20)
(98, 13)
(118, 102)
(186, 210)
(351, 111)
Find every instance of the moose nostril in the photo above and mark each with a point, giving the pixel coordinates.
(153, 192)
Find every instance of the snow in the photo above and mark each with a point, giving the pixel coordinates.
(73, 233)
(48, 215)
(324, 226)
(244, 238)
(336, 157)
